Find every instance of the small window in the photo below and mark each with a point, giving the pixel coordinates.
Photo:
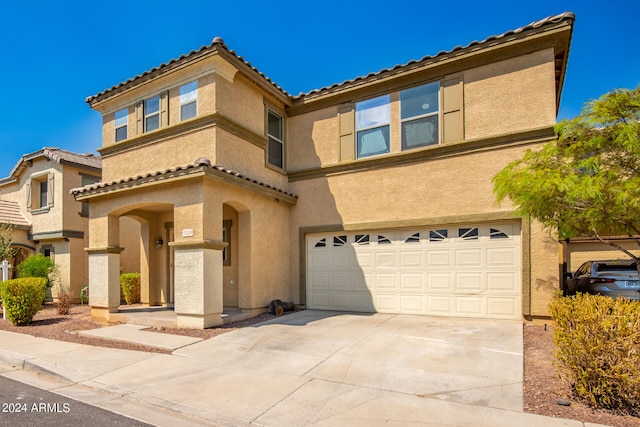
(362, 239)
(226, 237)
(188, 100)
(419, 108)
(372, 126)
(275, 131)
(494, 233)
(40, 194)
(321, 243)
(382, 240)
(44, 191)
(438, 235)
(87, 180)
(468, 233)
(414, 238)
(121, 124)
(152, 114)
(339, 240)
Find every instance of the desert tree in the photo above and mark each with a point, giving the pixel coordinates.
(586, 182)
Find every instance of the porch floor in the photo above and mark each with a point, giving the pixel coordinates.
(161, 316)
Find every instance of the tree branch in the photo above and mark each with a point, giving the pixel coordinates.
(615, 245)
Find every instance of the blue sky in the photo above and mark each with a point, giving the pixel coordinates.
(56, 53)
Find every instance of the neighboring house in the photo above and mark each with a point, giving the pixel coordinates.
(35, 199)
(373, 194)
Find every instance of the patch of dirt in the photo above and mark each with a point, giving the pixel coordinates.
(542, 384)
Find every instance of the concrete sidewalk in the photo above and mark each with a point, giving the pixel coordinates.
(308, 368)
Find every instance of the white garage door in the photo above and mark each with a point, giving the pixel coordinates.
(471, 271)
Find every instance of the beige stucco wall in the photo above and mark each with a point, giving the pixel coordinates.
(511, 95)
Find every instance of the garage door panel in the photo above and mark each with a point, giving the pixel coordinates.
(501, 257)
(470, 306)
(385, 281)
(440, 305)
(412, 304)
(502, 282)
(412, 281)
(469, 258)
(387, 303)
(469, 282)
(411, 259)
(440, 282)
(468, 270)
(340, 281)
(439, 259)
(386, 259)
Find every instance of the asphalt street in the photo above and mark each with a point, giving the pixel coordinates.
(23, 405)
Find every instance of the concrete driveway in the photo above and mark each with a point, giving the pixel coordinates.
(307, 368)
(334, 368)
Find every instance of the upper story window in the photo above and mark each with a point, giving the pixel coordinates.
(419, 115)
(87, 180)
(188, 100)
(152, 114)
(372, 126)
(275, 133)
(40, 194)
(121, 124)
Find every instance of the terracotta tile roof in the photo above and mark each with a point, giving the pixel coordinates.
(566, 16)
(60, 156)
(178, 170)
(10, 214)
(56, 155)
(218, 45)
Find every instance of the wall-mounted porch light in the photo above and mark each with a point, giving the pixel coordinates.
(159, 243)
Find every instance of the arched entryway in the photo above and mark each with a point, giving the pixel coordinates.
(144, 242)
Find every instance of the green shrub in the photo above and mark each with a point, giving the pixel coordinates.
(84, 295)
(22, 298)
(36, 266)
(130, 286)
(598, 349)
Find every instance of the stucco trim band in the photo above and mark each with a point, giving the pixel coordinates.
(170, 132)
(533, 136)
(199, 244)
(104, 250)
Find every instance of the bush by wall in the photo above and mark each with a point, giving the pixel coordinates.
(598, 349)
(130, 286)
(36, 266)
(22, 298)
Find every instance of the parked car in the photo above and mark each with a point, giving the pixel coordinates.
(612, 278)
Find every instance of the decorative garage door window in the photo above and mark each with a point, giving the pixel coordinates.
(339, 240)
(438, 235)
(321, 243)
(382, 240)
(362, 239)
(414, 238)
(494, 233)
(468, 233)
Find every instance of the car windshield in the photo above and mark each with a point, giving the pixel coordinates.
(617, 267)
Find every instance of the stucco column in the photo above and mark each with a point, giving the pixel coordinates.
(104, 265)
(104, 280)
(198, 283)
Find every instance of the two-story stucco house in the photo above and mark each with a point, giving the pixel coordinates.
(373, 194)
(35, 200)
